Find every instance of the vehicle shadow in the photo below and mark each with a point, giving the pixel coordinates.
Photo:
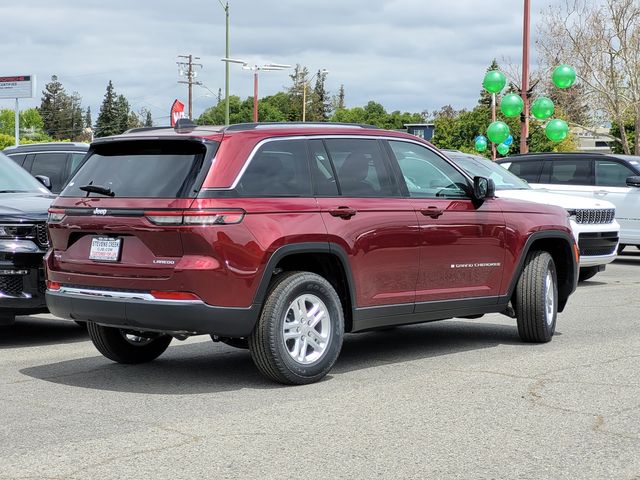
(31, 331)
(205, 367)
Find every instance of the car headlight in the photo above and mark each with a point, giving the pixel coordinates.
(15, 230)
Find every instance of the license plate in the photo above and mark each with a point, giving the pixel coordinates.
(105, 249)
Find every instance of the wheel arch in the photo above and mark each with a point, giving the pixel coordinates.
(560, 246)
(323, 258)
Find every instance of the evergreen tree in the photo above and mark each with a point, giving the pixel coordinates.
(300, 78)
(56, 110)
(337, 102)
(76, 122)
(148, 119)
(125, 120)
(88, 122)
(108, 122)
(320, 107)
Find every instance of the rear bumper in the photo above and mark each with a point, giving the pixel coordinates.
(180, 317)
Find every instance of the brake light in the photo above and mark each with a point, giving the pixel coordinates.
(184, 296)
(53, 285)
(195, 217)
(56, 215)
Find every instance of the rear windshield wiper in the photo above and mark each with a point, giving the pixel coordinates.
(97, 189)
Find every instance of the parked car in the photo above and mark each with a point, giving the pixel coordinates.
(615, 178)
(24, 202)
(282, 237)
(57, 160)
(592, 221)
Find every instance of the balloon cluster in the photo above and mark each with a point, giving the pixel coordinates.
(512, 106)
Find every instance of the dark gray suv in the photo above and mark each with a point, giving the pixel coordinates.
(58, 161)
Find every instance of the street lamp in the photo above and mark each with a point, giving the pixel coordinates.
(225, 7)
(304, 92)
(255, 69)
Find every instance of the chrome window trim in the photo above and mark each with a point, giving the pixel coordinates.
(258, 145)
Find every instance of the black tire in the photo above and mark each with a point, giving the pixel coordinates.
(267, 343)
(113, 344)
(586, 273)
(242, 343)
(7, 319)
(620, 248)
(530, 303)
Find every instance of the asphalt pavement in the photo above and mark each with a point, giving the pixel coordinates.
(446, 400)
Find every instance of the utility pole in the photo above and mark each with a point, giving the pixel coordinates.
(524, 124)
(225, 7)
(190, 74)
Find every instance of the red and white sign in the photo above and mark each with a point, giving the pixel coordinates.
(177, 112)
(18, 86)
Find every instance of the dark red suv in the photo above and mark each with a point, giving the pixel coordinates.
(282, 237)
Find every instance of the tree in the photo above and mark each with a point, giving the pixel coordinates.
(299, 78)
(88, 122)
(603, 42)
(57, 110)
(76, 122)
(108, 122)
(145, 114)
(374, 114)
(320, 106)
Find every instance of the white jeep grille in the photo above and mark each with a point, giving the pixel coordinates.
(595, 215)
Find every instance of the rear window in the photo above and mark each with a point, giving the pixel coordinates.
(145, 169)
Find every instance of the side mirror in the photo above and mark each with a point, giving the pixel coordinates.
(633, 181)
(44, 180)
(483, 188)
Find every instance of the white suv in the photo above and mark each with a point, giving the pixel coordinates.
(592, 221)
(615, 178)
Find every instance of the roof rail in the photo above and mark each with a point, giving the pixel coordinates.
(253, 126)
(145, 129)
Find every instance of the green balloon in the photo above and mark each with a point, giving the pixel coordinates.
(542, 108)
(494, 81)
(557, 130)
(498, 132)
(511, 105)
(481, 144)
(563, 76)
(503, 149)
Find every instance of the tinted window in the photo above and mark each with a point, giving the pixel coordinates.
(321, 170)
(160, 169)
(361, 167)
(14, 178)
(612, 174)
(53, 165)
(19, 159)
(568, 172)
(76, 160)
(529, 171)
(279, 168)
(426, 174)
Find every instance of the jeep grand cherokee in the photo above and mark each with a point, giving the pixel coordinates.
(284, 237)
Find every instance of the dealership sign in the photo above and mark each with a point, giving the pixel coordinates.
(18, 86)
(177, 112)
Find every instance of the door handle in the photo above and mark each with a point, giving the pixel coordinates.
(342, 212)
(433, 212)
(600, 192)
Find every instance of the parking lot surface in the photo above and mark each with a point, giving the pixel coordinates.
(452, 399)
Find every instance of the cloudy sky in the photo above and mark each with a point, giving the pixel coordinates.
(409, 55)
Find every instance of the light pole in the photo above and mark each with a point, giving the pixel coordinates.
(524, 124)
(255, 69)
(304, 92)
(225, 7)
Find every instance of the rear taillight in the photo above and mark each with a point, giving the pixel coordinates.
(181, 296)
(55, 215)
(52, 285)
(195, 217)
